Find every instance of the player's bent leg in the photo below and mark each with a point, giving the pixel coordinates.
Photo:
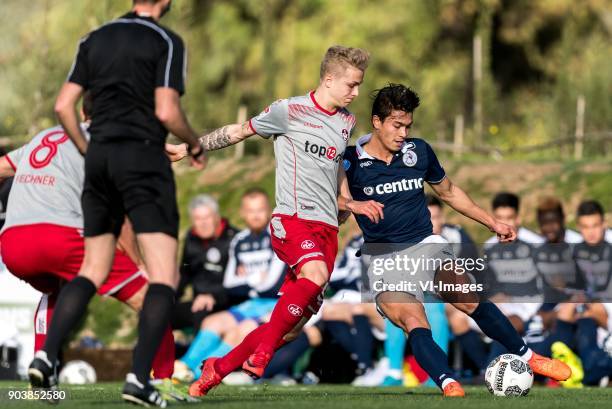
(98, 260)
(315, 271)
(215, 369)
(300, 300)
(498, 327)
(72, 303)
(405, 311)
(42, 319)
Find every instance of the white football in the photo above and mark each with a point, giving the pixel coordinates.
(77, 373)
(509, 375)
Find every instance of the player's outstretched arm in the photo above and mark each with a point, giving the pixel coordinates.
(65, 109)
(459, 200)
(226, 136)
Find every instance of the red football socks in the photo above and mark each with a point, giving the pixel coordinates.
(163, 363)
(299, 301)
(234, 359)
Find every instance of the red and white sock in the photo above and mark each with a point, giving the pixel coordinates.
(42, 319)
(301, 300)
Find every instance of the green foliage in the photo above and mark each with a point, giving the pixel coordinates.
(538, 57)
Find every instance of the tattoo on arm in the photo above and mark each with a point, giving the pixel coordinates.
(245, 129)
(226, 136)
(217, 139)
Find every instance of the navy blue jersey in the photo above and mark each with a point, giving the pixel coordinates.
(398, 185)
(594, 263)
(556, 265)
(511, 270)
(253, 269)
(348, 270)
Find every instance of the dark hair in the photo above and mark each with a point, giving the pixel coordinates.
(433, 200)
(590, 207)
(550, 205)
(394, 97)
(254, 191)
(87, 104)
(506, 199)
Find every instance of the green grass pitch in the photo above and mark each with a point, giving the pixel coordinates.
(107, 395)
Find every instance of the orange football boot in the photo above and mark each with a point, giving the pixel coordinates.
(208, 380)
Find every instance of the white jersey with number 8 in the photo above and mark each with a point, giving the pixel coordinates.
(48, 182)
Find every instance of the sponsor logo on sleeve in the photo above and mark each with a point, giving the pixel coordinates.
(345, 135)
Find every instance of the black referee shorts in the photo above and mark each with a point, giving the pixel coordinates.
(132, 178)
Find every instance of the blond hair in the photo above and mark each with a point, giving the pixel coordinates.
(338, 55)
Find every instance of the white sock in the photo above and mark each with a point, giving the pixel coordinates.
(447, 381)
(527, 355)
(395, 373)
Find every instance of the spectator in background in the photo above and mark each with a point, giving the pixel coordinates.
(253, 274)
(586, 327)
(205, 256)
(556, 265)
(551, 219)
(506, 208)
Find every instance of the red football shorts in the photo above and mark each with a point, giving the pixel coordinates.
(47, 255)
(297, 241)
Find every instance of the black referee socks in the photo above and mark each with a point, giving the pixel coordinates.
(154, 318)
(70, 308)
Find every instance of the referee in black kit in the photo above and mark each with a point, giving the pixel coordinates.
(134, 69)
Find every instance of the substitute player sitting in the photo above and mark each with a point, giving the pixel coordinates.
(391, 167)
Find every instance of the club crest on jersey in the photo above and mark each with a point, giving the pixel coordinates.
(213, 255)
(307, 245)
(345, 135)
(295, 310)
(408, 145)
(409, 158)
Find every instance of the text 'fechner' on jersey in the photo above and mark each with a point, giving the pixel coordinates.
(309, 144)
(48, 183)
(398, 185)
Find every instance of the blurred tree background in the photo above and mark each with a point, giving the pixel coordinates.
(536, 58)
(512, 69)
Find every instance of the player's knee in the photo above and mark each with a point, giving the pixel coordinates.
(96, 277)
(316, 271)
(466, 307)
(214, 323)
(291, 336)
